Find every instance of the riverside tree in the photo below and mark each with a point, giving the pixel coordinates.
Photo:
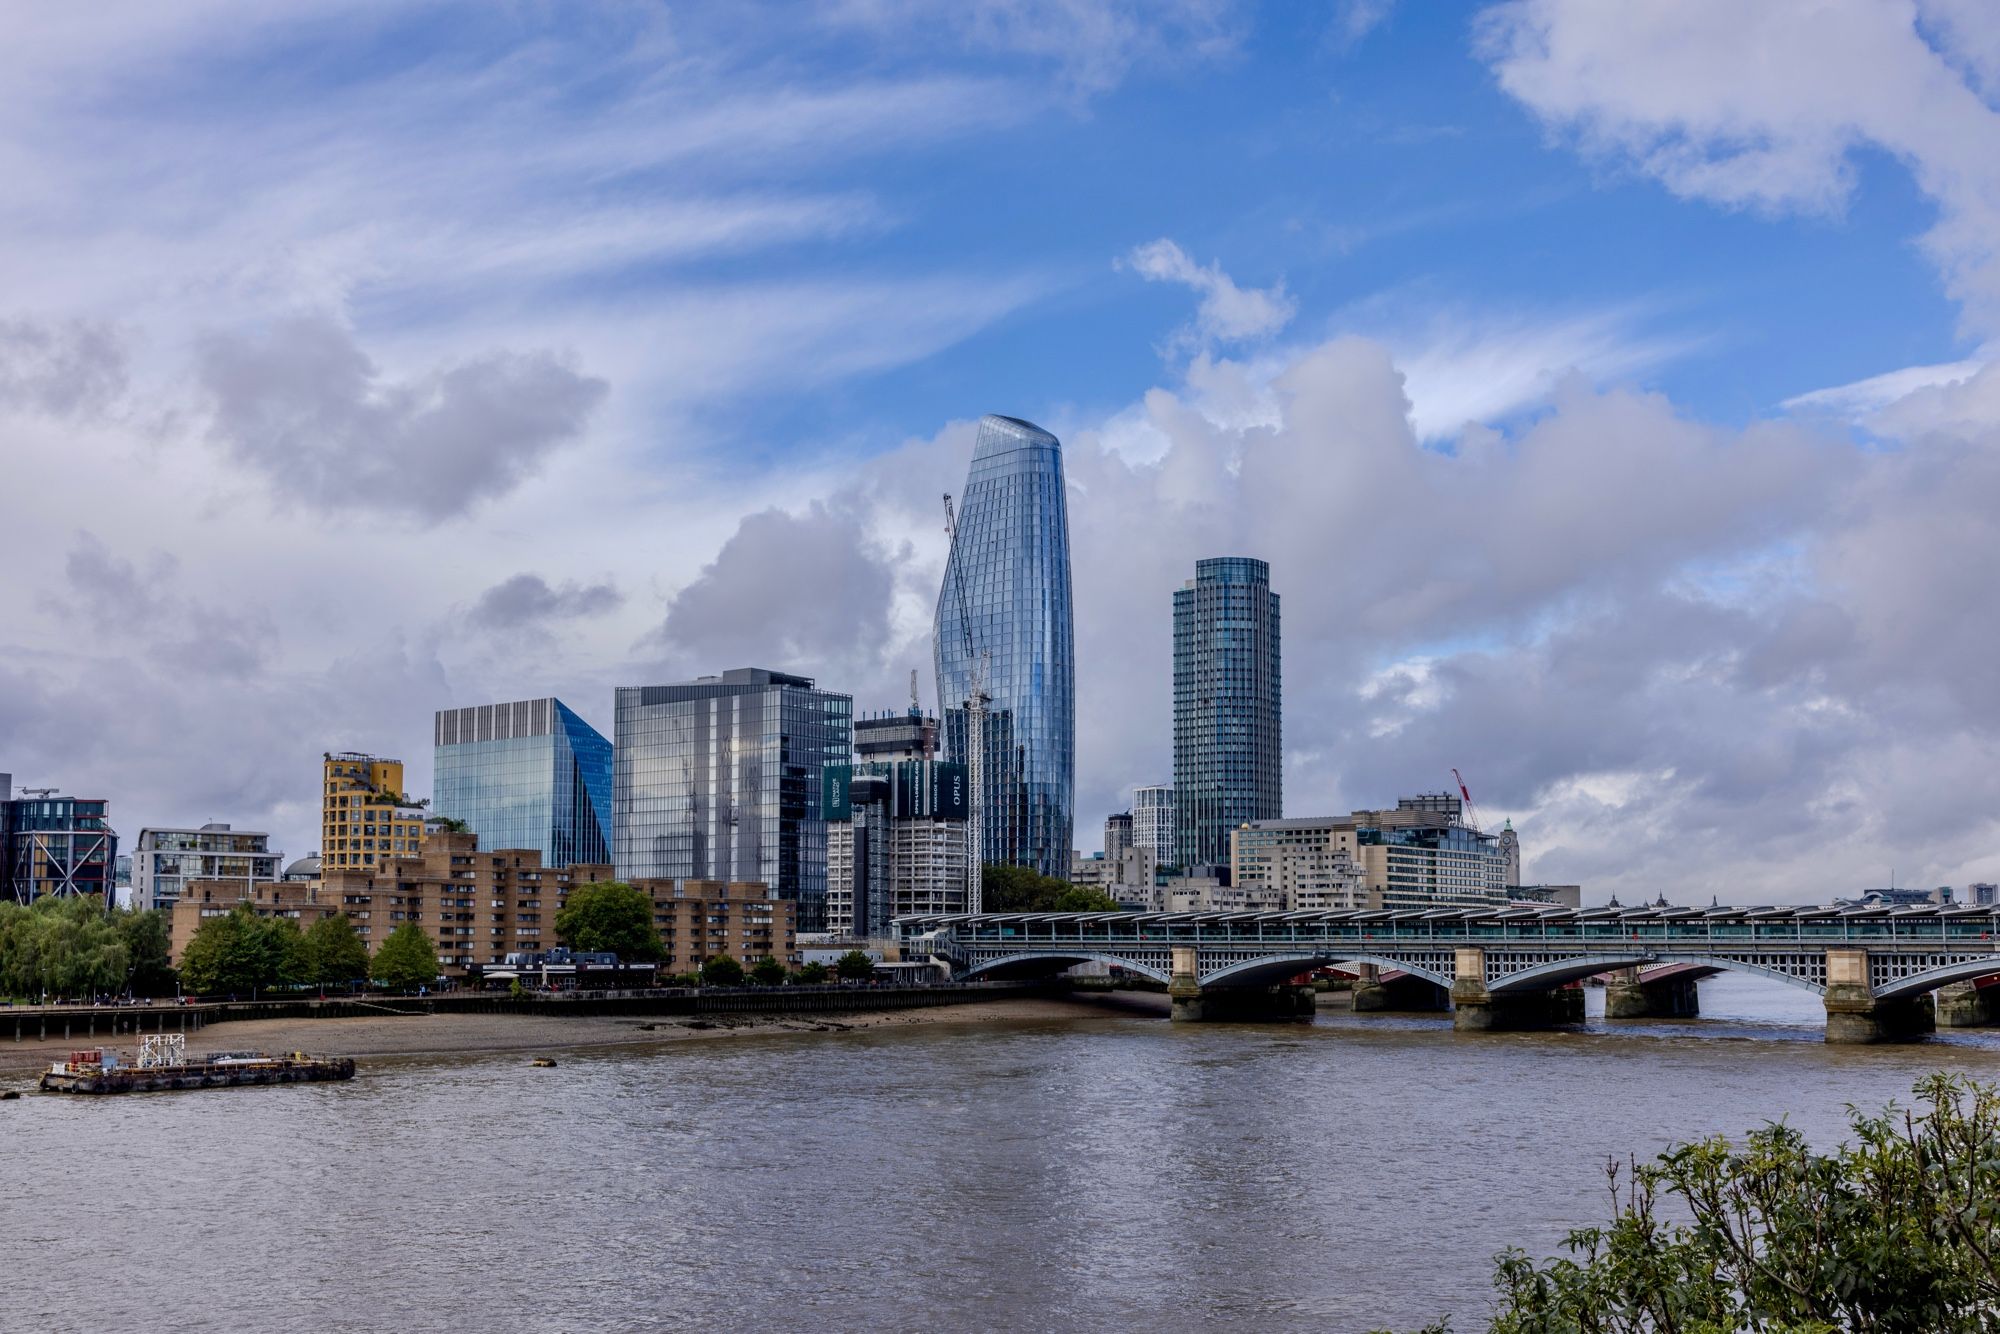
(333, 954)
(1897, 1229)
(610, 916)
(767, 972)
(66, 946)
(854, 966)
(722, 971)
(240, 953)
(407, 959)
(1023, 889)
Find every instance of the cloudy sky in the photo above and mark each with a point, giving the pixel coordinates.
(1607, 386)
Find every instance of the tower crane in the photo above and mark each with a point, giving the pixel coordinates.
(1471, 811)
(976, 700)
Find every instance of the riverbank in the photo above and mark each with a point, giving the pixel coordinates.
(474, 1034)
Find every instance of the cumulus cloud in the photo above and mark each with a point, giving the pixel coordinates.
(304, 406)
(62, 368)
(1227, 313)
(528, 600)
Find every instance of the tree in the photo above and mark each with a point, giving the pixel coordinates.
(767, 972)
(722, 971)
(854, 966)
(241, 953)
(1897, 1229)
(1023, 889)
(813, 974)
(407, 959)
(63, 945)
(148, 947)
(450, 824)
(610, 916)
(333, 954)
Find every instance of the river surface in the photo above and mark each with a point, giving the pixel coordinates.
(1105, 1171)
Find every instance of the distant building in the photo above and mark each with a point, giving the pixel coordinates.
(530, 774)
(1091, 870)
(52, 844)
(165, 860)
(720, 778)
(1510, 853)
(1980, 895)
(1117, 834)
(1153, 821)
(897, 834)
(365, 816)
(1419, 855)
(1228, 707)
(1560, 896)
(1308, 864)
(306, 868)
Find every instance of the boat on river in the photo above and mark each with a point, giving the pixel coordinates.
(163, 1064)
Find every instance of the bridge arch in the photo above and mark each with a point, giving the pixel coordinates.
(1272, 969)
(1919, 983)
(1069, 959)
(1543, 977)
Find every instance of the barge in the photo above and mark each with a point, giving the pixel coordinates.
(163, 1064)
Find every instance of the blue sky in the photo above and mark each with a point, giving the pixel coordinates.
(1606, 386)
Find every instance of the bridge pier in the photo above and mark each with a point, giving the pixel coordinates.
(1627, 997)
(1856, 1015)
(1476, 1008)
(1963, 1005)
(1372, 994)
(1193, 1003)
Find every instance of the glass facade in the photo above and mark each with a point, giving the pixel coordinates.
(530, 774)
(56, 845)
(719, 779)
(1005, 605)
(1228, 747)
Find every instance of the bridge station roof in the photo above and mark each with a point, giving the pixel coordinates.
(1549, 914)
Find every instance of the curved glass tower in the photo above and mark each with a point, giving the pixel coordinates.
(1005, 605)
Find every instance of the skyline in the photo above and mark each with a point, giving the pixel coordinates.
(362, 364)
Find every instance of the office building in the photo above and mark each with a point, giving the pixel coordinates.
(897, 837)
(530, 774)
(1307, 864)
(1228, 750)
(165, 860)
(365, 816)
(1117, 834)
(1003, 612)
(1421, 854)
(52, 844)
(1153, 821)
(720, 779)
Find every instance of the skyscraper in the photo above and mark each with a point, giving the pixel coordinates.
(530, 774)
(1228, 753)
(1153, 821)
(719, 779)
(1004, 610)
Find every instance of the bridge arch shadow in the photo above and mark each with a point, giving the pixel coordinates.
(1918, 984)
(1551, 975)
(1044, 963)
(1277, 968)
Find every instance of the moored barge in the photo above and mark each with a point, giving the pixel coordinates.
(163, 1064)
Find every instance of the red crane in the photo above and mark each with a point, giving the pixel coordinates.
(1471, 811)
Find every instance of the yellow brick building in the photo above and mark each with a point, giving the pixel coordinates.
(365, 817)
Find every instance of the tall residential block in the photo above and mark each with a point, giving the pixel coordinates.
(719, 778)
(1153, 821)
(365, 816)
(52, 844)
(165, 861)
(896, 828)
(1003, 613)
(1117, 834)
(530, 774)
(1228, 742)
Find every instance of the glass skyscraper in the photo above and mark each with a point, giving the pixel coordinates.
(720, 779)
(1005, 604)
(530, 774)
(1228, 748)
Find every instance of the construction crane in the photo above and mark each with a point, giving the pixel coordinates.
(976, 700)
(1471, 811)
(40, 791)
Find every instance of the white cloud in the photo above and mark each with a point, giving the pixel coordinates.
(1864, 398)
(1227, 313)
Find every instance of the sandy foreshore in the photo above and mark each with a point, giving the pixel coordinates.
(467, 1034)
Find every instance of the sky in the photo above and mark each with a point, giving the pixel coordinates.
(1608, 387)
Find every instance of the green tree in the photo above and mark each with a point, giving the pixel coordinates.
(722, 971)
(611, 916)
(813, 974)
(241, 953)
(854, 966)
(407, 959)
(1023, 889)
(450, 825)
(333, 955)
(767, 972)
(149, 952)
(1898, 1229)
(62, 945)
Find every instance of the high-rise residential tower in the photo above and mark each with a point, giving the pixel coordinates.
(720, 779)
(365, 816)
(1153, 821)
(1228, 753)
(529, 774)
(1004, 612)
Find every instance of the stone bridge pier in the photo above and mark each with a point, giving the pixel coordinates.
(1477, 1008)
(1855, 1014)
(1195, 1003)
(1629, 996)
(1372, 992)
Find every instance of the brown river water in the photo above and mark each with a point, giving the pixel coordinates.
(1096, 1172)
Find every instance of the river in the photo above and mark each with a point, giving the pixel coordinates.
(1105, 1171)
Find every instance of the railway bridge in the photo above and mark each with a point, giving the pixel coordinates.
(1875, 968)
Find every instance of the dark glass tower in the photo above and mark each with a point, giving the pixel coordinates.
(1005, 607)
(530, 774)
(1228, 750)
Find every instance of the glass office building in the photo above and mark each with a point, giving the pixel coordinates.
(52, 844)
(1228, 749)
(530, 774)
(720, 779)
(1005, 604)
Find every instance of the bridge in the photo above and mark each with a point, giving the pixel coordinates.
(1875, 968)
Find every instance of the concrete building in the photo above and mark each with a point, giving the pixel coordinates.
(1153, 821)
(1117, 834)
(1228, 707)
(365, 816)
(479, 907)
(52, 844)
(898, 841)
(1307, 864)
(528, 774)
(165, 860)
(720, 778)
(1421, 854)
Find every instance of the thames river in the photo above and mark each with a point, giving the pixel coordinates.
(1110, 1170)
